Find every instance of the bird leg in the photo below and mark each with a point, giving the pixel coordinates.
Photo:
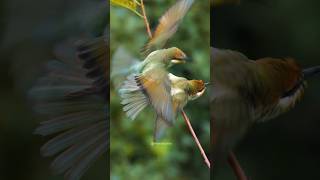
(235, 165)
(186, 119)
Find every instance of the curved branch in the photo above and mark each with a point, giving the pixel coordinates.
(146, 22)
(186, 119)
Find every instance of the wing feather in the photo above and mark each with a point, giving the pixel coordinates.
(157, 87)
(168, 25)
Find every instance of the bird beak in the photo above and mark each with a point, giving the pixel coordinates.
(206, 84)
(178, 61)
(310, 72)
(186, 59)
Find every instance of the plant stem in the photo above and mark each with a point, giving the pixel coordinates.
(186, 119)
(146, 22)
(235, 165)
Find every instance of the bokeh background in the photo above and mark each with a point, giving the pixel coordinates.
(286, 147)
(29, 33)
(132, 155)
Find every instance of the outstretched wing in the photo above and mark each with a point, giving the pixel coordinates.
(168, 25)
(122, 65)
(156, 85)
(71, 98)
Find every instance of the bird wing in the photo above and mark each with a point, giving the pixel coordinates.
(77, 124)
(157, 87)
(120, 63)
(168, 25)
(95, 54)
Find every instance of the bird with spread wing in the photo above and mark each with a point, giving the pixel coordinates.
(150, 83)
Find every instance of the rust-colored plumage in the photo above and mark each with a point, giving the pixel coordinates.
(279, 76)
(198, 84)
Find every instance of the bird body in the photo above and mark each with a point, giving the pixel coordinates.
(245, 91)
(182, 91)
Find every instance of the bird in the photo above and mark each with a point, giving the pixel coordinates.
(73, 96)
(151, 75)
(244, 92)
(167, 26)
(181, 90)
(123, 64)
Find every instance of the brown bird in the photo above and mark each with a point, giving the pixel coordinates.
(245, 92)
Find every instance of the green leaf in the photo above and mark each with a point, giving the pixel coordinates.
(129, 4)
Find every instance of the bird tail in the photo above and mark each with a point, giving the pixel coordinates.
(160, 128)
(77, 124)
(134, 100)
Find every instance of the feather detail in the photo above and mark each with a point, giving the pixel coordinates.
(133, 98)
(95, 54)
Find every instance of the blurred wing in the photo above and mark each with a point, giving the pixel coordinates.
(168, 25)
(157, 87)
(95, 54)
(78, 123)
(121, 66)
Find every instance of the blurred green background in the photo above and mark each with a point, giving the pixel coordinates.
(29, 32)
(132, 155)
(286, 147)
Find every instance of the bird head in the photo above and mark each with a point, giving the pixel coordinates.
(176, 56)
(197, 88)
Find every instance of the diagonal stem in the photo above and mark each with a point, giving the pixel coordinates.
(186, 119)
(146, 22)
(235, 165)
